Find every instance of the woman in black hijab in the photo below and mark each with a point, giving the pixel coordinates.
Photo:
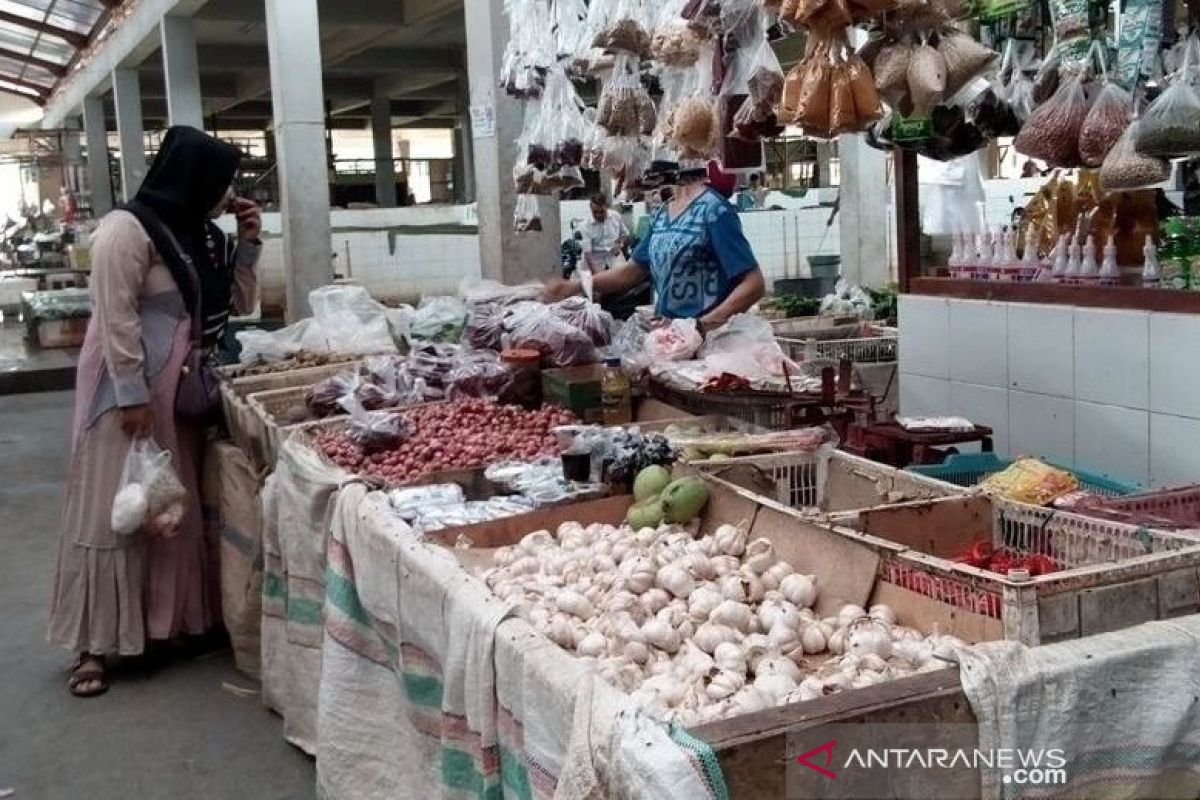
(164, 281)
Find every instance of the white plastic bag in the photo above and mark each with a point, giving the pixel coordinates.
(265, 346)
(149, 494)
(353, 322)
(677, 341)
(438, 319)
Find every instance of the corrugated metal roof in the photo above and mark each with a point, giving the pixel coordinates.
(39, 39)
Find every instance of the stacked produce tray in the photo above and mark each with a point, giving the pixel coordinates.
(279, 412)
(1108, 575)
(829, 481)
(968, 469)
(876, 348)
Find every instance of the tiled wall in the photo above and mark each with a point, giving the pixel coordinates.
(1115, 392)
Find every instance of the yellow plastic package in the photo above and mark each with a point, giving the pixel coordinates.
(1028, 480)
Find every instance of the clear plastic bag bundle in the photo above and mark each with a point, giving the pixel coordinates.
(531, 326)
(831, 91)
(570, 26)
(625, 107)
(587, 316)
(756, 118)
(485, 326)
(628, 29)
(477, 373)
(375, 431)
(1052, 132)
(529, 52)
(149, 496)
(1170, 126)
(438, 318)
(351, 320)
(324, 398)
(527, 216)
(1125, 168)
(430, 364)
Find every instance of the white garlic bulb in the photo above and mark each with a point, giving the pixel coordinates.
(703, 600)
(812, 639)
(729, 540)
(836, 643)
(773, 686)
(882, 613)
(504, 556)
(730, 656)
(757, 645)
(747, 701)
(869, 636)
(783, 638)
(637, 652)
(711, 634)
(575, 604)
(661, 635)
(800, 590)
(639, 573)
(676, 580)
(725, 565)
(778, 664)
(655, 600)
(538, 540)
(752, 586)
(594, 644)
(775, 573)
(722, 684)
(734, 614)
(849, 613)
(732, 587)
(760, 555)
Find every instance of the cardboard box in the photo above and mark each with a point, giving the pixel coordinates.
(575, 388)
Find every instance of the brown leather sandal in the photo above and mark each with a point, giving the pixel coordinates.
(88, 677)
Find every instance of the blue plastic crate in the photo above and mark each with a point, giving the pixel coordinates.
(968, 469)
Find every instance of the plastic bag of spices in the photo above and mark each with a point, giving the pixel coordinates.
(1170, 125)
(1104, 124)
(891, 71)
(926, 77)
(965, 58)
(807, 89)
(628, 29)
(1125, 168)
(526, 216)
(1052, 132)
(625, 107)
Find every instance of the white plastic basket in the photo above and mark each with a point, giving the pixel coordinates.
(829, 481)
(860, 350)
(1110, 575)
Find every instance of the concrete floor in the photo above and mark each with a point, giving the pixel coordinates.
(180, 733)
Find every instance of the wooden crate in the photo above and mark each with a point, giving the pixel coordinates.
(278, 413)
(242, 421)
(754, 749)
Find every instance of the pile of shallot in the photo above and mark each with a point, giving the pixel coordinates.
(700, 628)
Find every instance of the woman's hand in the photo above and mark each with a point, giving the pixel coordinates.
(137, 422)
(249, 219)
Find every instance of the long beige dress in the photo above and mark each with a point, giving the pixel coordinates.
(114, 592)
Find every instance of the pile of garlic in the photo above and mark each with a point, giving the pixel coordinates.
(699, 628)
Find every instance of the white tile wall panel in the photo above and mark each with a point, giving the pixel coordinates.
(1041, 425)
(978, 343)
(925, 322)
(1174, 350)
(1174, 450)
(1041, 349)
(1113, 440)
(983, 405)
(1112, 357)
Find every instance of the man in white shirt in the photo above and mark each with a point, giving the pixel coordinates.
(604, 235)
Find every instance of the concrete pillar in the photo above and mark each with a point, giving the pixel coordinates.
(72, 155)
(505, 256)
(824, 154)
(464, 154)
(127, 96)
(298, 103)
(99, 184)
(867, 257)
(385, 167)
(185, 104)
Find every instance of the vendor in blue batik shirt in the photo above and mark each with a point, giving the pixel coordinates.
(696, 255)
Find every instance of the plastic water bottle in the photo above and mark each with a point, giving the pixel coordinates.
(1110, 273)
(1151, 277)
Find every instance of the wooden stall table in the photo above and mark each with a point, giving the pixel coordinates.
(891, 443)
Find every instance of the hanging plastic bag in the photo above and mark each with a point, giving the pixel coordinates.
(675, 42)
(806, 90)
(965, 58)
(428, 365)
(1125, 168)
(891, 72)
(526, 216)
(1104, 124)
(756, 74)
(570, 26)
(1052, 132)
(628, 29)
(149, 495)
(438, 319)
(625, 107)
(1169, 127)
(485, 326)
(926, 78)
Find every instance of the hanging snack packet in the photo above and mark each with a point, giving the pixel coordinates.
(1052, 132)
(1104, 124)
(1169, 127)
(1125, 168)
